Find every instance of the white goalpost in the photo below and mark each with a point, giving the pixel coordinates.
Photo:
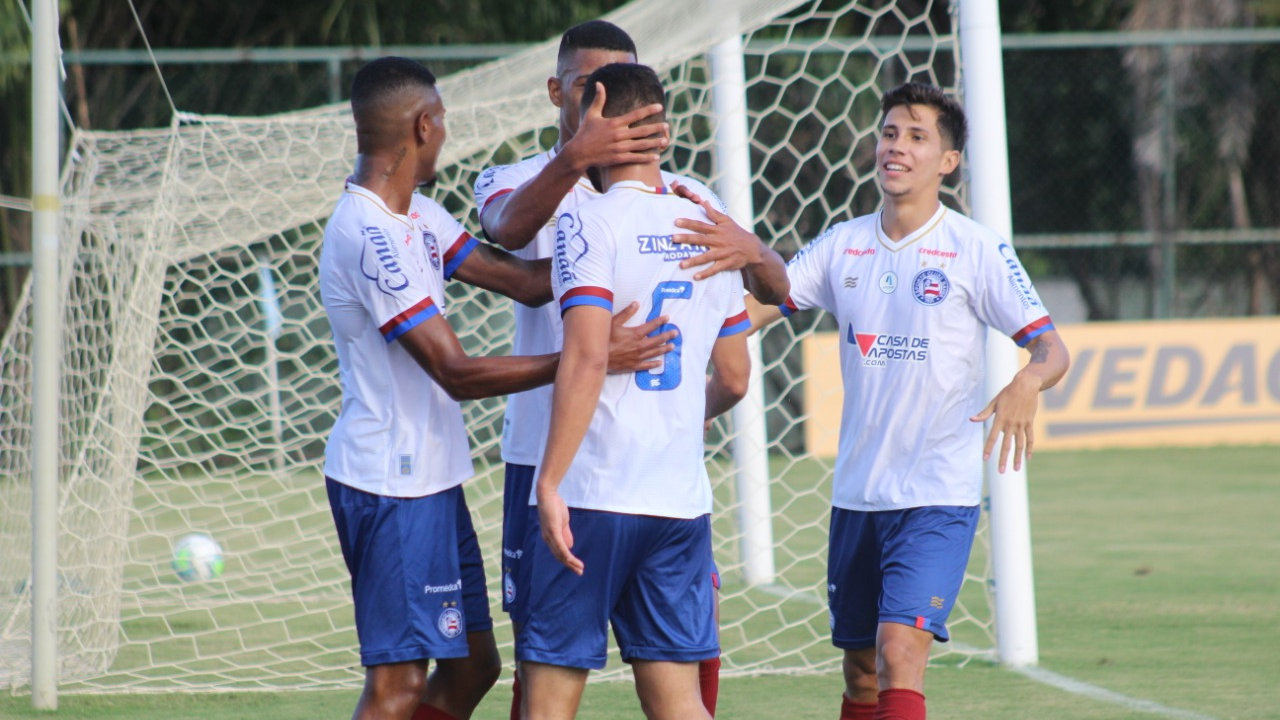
(198, 380)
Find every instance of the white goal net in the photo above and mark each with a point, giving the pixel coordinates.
(199, 381)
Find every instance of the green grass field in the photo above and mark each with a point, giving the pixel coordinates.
(1157, 577)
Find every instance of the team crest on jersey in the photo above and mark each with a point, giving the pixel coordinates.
(450, 623)
(380, 261)
(509, 588)
(433, 248)
(930, 286)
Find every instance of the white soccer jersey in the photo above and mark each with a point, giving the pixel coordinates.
(381, 274)
(642, 454)
(912, 316)
(524, 431)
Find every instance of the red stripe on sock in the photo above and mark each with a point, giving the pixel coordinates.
(900, 704)
(850, 710)
(516, 694)
(709, 683)
(430, 712)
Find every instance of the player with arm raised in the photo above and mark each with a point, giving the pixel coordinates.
(518, 205)
(398, 453)
(622, 534)
(908, 478)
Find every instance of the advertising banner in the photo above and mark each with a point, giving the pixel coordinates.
(1131, 384)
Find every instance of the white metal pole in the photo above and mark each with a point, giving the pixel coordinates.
(983, 74)
(46, 354)
(272, 321)
(750, 444)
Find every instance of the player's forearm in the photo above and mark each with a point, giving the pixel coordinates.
(767, 279)
(472, 378)
(573, 403)
(762, 316)
(516, 218)
(722, 396)
(525, 281)
(1049, 361)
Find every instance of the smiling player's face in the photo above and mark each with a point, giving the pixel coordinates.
(912, 157)
(566, 89)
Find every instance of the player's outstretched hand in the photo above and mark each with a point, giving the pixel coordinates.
(729, 246)
(602, 141)
(641, 347)
(1013, 412)
(554, 516)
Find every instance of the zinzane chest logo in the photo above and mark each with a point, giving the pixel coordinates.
(380, 261)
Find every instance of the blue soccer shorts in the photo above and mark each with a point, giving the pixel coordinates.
(416, 574)
(896, 566)
(646, 575)
(517, 488)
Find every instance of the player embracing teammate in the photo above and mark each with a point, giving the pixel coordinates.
(519, 205)
(622, 492)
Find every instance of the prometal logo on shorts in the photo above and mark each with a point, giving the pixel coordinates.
(454, 586)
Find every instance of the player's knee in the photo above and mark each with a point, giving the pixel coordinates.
(490, 670)
(399, 688)
(898, 657)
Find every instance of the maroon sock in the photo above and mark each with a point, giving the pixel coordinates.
(516, 695)
(850, 710)
(709, 683)
(900, 704)
(430, 712)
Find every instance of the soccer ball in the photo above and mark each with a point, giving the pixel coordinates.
(197, 557)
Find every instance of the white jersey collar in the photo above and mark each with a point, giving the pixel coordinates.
(923, 230)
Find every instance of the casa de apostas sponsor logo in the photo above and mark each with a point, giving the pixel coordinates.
(880, 349)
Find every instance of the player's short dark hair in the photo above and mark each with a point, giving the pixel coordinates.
(382, 79)
(594, 35)
(627, 86)
(951, 121)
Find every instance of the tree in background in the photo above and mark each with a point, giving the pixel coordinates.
(1213, 80)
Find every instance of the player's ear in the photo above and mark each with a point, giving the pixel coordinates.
(950, 161)
(554, 91)
(422, 127)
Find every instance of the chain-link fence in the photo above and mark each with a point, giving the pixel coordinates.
(1145, 181)
(1144, 177)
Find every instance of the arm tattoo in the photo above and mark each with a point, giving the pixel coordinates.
(1040, 352)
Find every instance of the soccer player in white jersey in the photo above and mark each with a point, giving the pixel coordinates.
(398, 452)
(518, 205)
(914, 288)
(622, 534)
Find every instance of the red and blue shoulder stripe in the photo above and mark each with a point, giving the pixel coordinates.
(1033, 331)
(736, 324)
(402, 323)
(457, 253)
(587, 295)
